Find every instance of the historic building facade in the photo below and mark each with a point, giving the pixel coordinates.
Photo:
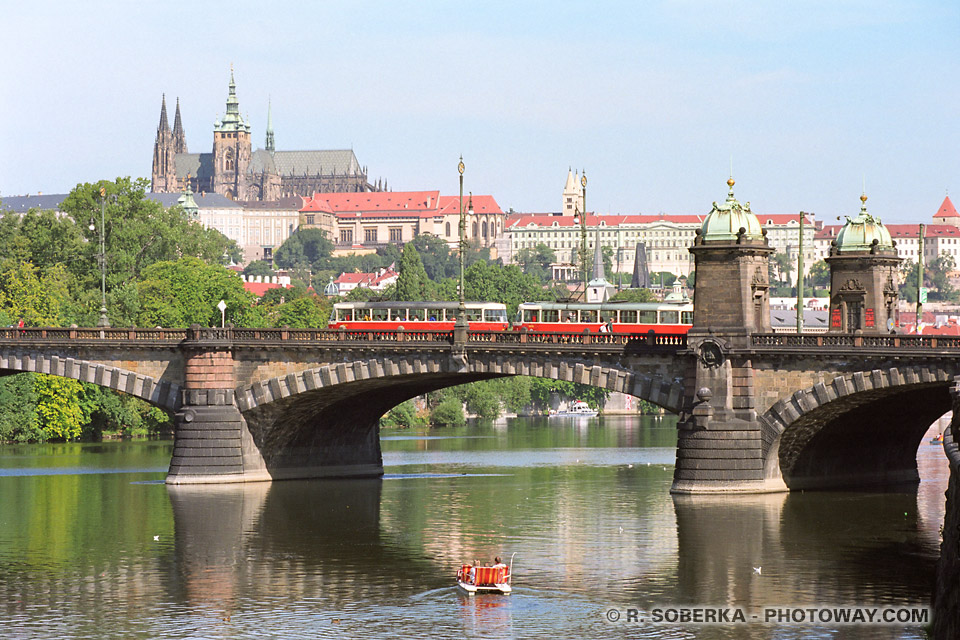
(234, 170)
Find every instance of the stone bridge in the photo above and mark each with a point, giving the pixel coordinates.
(769, 413)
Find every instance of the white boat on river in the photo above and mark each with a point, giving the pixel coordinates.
(577, 409)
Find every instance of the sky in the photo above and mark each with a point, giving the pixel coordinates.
(809, 102)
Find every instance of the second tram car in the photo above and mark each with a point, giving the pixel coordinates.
(414, 316)
(616, 317)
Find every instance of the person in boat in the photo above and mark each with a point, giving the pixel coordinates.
(498, 563)
(473, 570)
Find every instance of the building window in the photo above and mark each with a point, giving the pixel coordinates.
(310, 218)
(268, 253)
(346, 236)
(448, 229)
(370, 234)
(396, 234)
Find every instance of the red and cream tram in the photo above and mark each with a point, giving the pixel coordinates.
(619, 317)
(416, 316)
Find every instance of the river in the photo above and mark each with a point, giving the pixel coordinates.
(94, 545)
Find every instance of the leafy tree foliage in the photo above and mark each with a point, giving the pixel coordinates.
(258, 268)
(40, 299)
(506, 284)
(634, 295)
(664, 277)
(536, 261)
(308, 312)
(412, 283)
(306, 248)
(819, 275)
(185, 292)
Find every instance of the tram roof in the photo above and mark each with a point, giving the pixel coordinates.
(394, 304)
(586, 306)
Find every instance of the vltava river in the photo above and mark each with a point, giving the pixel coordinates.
(94, 545)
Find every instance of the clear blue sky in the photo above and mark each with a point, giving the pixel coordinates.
(809, 99)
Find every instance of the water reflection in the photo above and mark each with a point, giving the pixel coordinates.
(586, 509)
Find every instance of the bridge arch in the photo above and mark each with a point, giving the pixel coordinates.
(162, 393)
(437, 369)
(858, 429)
(328, 416)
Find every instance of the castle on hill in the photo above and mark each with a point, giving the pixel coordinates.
(234, 170)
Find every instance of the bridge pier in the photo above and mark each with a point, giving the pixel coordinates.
(946, 590)
(720, 446)
(211, 441)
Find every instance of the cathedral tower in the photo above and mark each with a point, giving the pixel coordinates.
(163, 177)
(231, 150)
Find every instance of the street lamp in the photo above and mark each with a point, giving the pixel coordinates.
(800, 277)
(462, 309)
(583, 233)
(103, 322)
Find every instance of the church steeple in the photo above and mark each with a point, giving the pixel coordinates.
(270, 144)
(179, 138)
(164, 126)
(163, 175)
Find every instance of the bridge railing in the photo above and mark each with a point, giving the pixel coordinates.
(329, 336)
(551, 337)
(82, 334)
(828, 340)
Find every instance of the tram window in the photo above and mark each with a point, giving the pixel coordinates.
(379, 314)
(416, 314)
(669, 317)
(435, 315)
(628, 316)
(686, 317)
(345, 315)
(474, 315)
(588, 315)
(648, 317)
(551, 315)
(495, 315)
(530, 315)
(333, 316)
(398, 314)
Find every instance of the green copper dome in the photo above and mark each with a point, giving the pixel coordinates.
(725, 221)
(863, 233)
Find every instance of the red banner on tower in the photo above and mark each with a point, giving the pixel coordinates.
(868, 321)
(835, 318)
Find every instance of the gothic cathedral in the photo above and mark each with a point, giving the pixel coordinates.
(234, 170)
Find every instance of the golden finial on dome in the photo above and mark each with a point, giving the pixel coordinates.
(730, 182)
(863, 198)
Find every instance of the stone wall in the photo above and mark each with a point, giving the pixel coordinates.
(946, 591)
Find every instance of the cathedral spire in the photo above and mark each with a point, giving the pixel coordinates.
(232, 120)
(164, 125)
(179, 138)
(270, 143)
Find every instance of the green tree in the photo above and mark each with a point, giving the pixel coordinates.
(41, 237)
(938, 273)
(412, 283)
(61, 413)
(39, 299)
(634, 295)
(449, 413)
(536, 261)
(137, 233)
(819, 275)
(187, 291)
(662, 277)
(306, 248)
(308, 312)
(258, 268)
(506, 284)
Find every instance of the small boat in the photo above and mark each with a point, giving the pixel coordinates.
(937, 439)
(496, 579)
(577, 409)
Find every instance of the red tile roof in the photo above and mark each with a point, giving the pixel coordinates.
(260, 288)
(947, 210)
(395, 204)
(519, 220)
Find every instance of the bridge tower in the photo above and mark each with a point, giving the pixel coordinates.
(863, 276)
(719, 447)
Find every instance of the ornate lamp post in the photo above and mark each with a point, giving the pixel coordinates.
(583, 234)
(462, 325)
(103, 322)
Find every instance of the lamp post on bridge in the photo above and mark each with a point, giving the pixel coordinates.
(103, 322)
(583, 234)
(461, 326)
